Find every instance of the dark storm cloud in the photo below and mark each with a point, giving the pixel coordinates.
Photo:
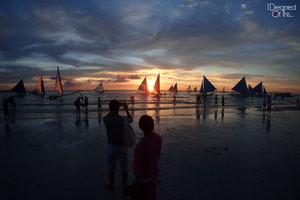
(99, 36)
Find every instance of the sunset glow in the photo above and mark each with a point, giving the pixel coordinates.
(91, 44)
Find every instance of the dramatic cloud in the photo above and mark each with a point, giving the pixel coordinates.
(100, 39)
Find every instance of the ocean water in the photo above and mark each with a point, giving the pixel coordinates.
(235, 152)
(184, 100)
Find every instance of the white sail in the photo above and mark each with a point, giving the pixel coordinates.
(144, 86)
(40, 86)
(157, 85)
(100, 88)
(58, 85)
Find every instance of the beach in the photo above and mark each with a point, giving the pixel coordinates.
(235, 152)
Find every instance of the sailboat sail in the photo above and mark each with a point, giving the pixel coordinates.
(40, 86)
(144, 87)
(175, 88)
(157, 84)
(171, 88)
(258, 89)
(20, 88)
(58, 85)
(100, 88)
(250, 89)
(206, 86)
(265, 92)
(241, 86)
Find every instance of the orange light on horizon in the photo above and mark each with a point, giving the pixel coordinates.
(150, 88)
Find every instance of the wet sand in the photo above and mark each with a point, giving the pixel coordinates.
(232, 154)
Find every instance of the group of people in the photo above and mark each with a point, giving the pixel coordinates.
(146, 154)
(53, 97)
(83, 102)
(6, 102)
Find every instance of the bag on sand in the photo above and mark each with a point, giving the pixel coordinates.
(129, 135)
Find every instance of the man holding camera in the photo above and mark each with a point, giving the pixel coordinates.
(115, 148)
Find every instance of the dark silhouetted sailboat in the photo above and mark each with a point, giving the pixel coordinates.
(40, 86)
(241, 86)
(260, 89)
(100, 88)
(206, 86)
(19, 88)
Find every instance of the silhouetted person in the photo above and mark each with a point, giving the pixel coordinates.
(132, 100)
(5, 108)
(86, 103)
(264, 106)
(99, 104)
(269, 104)
(146, 157)
(115, 148)
(77, 105)
(223, 101)
(174, 98)
(216, 101)
(198, 99)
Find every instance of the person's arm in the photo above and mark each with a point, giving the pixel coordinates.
(125, 106)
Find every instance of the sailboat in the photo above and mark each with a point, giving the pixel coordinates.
(156, 87)
(195, 89)
(189, 89)
(260, 89)
(19, 88)
(206, 86)
(241, 86)
(58, 85)
(143, 88)
(173, 89)
(100, 88)
(40, 86)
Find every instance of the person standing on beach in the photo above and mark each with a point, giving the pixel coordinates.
(174, 98)
(132, 100)
(198, 99)
(86, 103)
(77, 105)
(99, 104)
(216, 101)
(115, 137)
(5, 108)
(146, 157)
(264, 103)
(223, 101)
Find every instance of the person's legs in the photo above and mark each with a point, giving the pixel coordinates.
(123, 160)
(111, 162)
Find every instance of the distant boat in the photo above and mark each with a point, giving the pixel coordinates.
(195, 89)
(144, 87)
(189, 89)
(40, 86)
(173, 89)
(241, 86)
(19, 88)
(157, 85)
(58, 85)
(100, 88)
(206, 86)
(260, 89)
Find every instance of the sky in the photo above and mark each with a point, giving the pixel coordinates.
(121, 42)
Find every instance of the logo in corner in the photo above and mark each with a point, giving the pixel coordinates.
(279, 11)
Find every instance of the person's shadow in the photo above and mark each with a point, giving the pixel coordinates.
(99, 117)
